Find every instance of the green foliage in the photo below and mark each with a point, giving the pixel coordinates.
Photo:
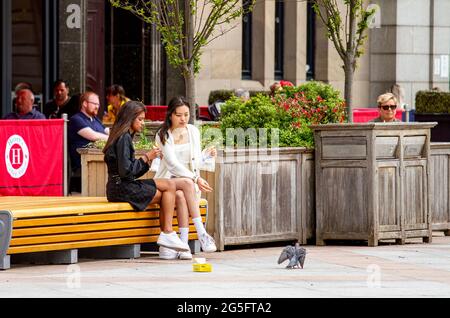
(226, 94)
(432, 102)
(183, 44)
(143, 142)
(222, 94)
(291, 111)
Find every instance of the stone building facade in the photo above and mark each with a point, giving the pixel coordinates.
(93, 45)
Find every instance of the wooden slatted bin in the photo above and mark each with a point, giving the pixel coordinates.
(373, 182)
(440, 186)
(263, 195)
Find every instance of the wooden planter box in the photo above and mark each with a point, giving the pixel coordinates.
(94, 173)
(373, 181)
(440, 186)
(263, 197)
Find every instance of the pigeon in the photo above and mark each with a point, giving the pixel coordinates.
(295, 254)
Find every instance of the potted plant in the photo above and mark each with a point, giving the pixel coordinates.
(264, 174)
(433, 106)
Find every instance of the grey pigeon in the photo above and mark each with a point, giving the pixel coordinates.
(295, 254)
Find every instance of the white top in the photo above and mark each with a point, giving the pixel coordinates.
(171, 165)
(182, 153)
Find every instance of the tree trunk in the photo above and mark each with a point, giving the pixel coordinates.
(189, 81)
(189, 75)
(349, 72)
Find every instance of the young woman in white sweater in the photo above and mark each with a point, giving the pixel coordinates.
(182, 159)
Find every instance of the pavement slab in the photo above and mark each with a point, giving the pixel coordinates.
(338, 271)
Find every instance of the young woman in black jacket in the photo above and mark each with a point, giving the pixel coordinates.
(124, 171)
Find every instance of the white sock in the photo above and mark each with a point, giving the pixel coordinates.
(184, 234)
(199, 225)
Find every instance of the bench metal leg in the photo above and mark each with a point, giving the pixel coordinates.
(195, 246)
(5, 262)
(5, 232)
(43, 258)
(111, 252)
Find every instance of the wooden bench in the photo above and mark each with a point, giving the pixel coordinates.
(66, 224)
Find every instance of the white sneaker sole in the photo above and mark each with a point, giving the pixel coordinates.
(177, 248)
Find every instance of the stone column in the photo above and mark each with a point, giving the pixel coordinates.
(440, 44)
(263, 37)
(411, 48)
(6, 57)
(295, 43)
(383, 44)
(72, 43)
(155, 66)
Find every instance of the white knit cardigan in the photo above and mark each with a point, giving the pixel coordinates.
(169, 166)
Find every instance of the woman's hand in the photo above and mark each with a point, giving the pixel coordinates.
(153, 154)
(212, 152)
(203, 185)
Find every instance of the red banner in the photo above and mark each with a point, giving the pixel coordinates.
(31, 157)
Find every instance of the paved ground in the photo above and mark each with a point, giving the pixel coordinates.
(411, 270)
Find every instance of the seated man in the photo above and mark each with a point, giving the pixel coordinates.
(62, 103)
(24, 106)
(387, 107)
(84, 127)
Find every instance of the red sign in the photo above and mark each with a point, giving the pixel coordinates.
(31, 157)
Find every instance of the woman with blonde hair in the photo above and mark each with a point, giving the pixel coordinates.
(387, 108)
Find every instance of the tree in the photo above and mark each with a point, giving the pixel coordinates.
(186, 26)
(347, 35)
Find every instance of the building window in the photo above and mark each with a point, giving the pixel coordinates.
(247, 42)
(311, 40)
(279, 39)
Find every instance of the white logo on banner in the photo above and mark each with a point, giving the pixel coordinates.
(17, 156)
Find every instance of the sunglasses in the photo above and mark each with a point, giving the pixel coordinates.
(391, 107)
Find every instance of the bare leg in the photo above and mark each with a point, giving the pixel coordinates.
(187, 186)
(182, 209)
(167, 203)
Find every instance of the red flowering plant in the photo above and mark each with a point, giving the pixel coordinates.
(308, 104)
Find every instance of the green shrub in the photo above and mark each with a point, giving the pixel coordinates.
(226, 94)
(291, 111)
(222, 94)
(432, 102)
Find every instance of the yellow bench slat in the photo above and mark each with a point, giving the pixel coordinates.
(84, 244)
(113, 216)
(47, 239)
(90, 227)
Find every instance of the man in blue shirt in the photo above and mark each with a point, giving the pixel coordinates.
(84, 127)
(24, 106)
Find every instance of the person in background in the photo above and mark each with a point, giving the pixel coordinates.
(61, 103)
(274, 88)
(182, 159)
(84, 127)
(399, 94)
(243, 94)
(115, 96)
(124, 170)
(387, 108)
(24, 106)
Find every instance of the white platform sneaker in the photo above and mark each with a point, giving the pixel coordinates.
(172, 241)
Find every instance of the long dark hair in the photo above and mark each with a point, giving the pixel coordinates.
(127, 114)
(174, 103)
